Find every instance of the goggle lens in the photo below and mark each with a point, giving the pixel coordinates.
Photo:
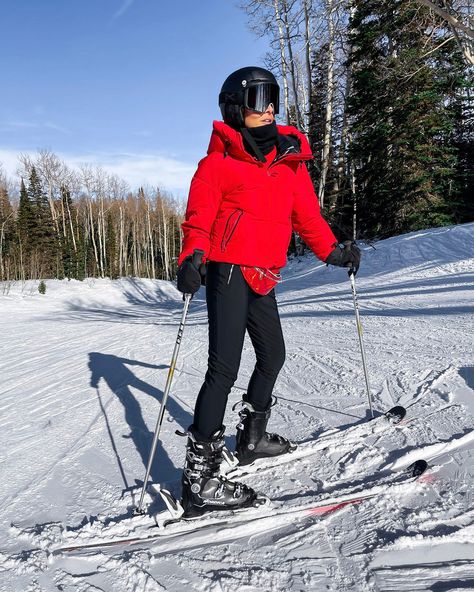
(258, 97)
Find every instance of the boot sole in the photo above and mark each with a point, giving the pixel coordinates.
(198, 511)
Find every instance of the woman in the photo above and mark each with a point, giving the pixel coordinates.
(247, 195)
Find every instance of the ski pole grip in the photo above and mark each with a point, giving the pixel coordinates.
(347, 247)
(197, 258)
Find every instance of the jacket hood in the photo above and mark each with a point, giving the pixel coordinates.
(291, 142)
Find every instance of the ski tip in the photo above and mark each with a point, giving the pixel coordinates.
(396, 414)
(417, 468)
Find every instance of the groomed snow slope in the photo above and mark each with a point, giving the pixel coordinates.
(83, 368)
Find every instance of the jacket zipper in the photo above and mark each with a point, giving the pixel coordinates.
(230, 227)
(279, 157)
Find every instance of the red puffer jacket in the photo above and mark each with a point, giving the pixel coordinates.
(242, 211)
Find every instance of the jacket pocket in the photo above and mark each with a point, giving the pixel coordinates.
(230, 226)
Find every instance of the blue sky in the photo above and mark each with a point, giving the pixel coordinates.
(130, 85)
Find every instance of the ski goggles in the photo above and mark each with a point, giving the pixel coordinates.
(257, 97)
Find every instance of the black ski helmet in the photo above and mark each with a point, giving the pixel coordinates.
(251, 88)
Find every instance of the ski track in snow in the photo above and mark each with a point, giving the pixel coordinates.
(83, 368)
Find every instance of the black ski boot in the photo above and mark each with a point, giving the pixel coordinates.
(204, 488)
(253, 441)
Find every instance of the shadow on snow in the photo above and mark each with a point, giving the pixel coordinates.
(119, 378)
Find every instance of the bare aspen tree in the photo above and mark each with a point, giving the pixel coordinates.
(72, 183)
(25, 165)
(165, 230)
(284, 68)
(100, 180)
(172, 254)
(5, 217)
(88, 182)
(158, 225)
(307, 60)
(2, 239)
(329, 102)
(51, 170)
(342, 172)
(151, 243)
(141, 246)
(136, 249)
(291, 60)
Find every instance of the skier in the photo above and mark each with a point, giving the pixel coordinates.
(246, 196)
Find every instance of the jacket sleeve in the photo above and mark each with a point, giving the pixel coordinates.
(307, 219)
(201, 210)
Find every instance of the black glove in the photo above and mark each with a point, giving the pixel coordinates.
(189, 277)
(347, 255)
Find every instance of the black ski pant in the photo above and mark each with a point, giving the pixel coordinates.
(233, 307)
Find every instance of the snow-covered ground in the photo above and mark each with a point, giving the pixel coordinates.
(82, 373)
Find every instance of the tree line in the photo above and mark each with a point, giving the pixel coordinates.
(86, 223)
(384, 90)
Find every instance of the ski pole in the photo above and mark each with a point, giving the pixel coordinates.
(197, 258)
(361, 341)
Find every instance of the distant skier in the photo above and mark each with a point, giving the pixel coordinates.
(246, 196)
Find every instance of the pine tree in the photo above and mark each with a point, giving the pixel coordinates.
(6, 213)
(6, 230)
(316, 114)
(5, 205)
(26, 219)
(42, 237)
(404, 84)
(67, 244)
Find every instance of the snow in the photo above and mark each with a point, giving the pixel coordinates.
(83, 369)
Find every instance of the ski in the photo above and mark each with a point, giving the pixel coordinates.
(217, 526)
(232, 470)
(354, 433)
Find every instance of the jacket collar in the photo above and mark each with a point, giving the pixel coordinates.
(292, 144)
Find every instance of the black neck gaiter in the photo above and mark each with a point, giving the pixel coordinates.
(264, 136)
